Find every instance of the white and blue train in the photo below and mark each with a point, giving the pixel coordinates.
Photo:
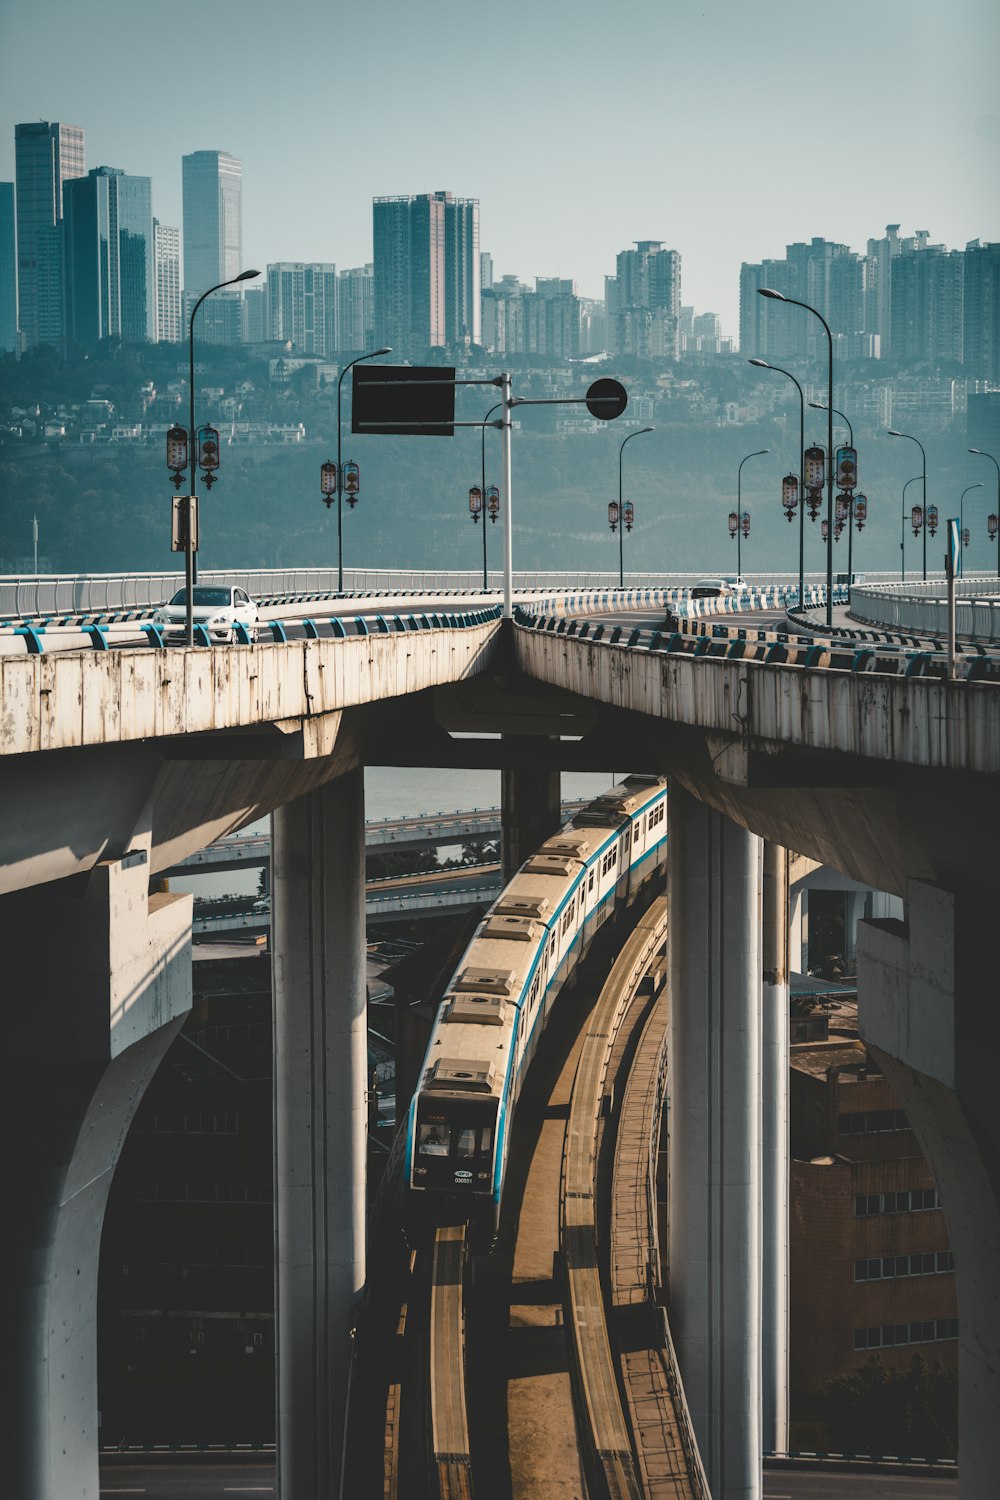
(498, 1001)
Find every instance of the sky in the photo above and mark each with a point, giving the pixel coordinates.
(725, 129)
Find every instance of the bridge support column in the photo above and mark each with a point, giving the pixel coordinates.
(320, 1123)
(98, 981)
(774, 1132)
(714, 1152)
(926, 997)
(531, 810)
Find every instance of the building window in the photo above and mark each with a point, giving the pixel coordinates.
(910, 1201)
(891, 1335)
(889, 1267)
(873, 1122)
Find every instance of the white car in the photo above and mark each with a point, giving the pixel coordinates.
(711, 588)
(219, 607)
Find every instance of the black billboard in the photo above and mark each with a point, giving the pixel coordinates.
(404, 400)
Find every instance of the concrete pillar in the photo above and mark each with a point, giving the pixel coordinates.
(927, 1009)
(798, 930)
(855, 901)
(774, 1140)
(98, 981)
(531, 810)
(320, 1123)
(714, 1152)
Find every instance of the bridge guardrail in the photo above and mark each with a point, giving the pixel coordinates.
(923, 608)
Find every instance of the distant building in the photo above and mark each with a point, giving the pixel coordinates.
(110, 285)
(981, 312)
(485, 270)
(256, 324)
(645, 304)
(47, 155)
(167, 260)
(356, 310)
(8, 270)
(213, 219)
(219, 320)
(926, 304)
(302, 306)
(426, 272)
(820, 273)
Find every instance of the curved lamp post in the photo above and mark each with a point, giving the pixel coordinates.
(762, 364)
(375, 353)
(744, 516)
(893, 433)
(902, 530)
(961, 525)
(243, 276)
(492, 514)
(820, 406)
(766, 291)
(621, 517)
(980, 453)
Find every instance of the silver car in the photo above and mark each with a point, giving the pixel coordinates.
(219, 607)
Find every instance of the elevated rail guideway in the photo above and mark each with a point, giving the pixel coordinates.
(118, 764)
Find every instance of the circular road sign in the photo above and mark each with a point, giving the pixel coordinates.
(606, 399)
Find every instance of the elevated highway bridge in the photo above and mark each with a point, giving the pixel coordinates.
(119, 764)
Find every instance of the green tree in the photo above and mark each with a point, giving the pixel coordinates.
(880, 1409)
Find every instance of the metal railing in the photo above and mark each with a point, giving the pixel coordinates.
(922, 608)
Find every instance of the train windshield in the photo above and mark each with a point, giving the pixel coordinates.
(434, 1140)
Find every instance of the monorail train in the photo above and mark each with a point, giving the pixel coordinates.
(498, 1001)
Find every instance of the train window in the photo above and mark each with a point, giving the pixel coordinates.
(590, 882)
(486, 1140)
(434, 1140)
(465, 1142)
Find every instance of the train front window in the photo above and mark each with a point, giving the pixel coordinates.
(486, 1140)
(434, 1140)
(465, 1142)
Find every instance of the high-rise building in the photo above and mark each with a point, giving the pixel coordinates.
(213, 219)
(355, 309)
(110, 281)
(167, 260)
(256, 320)
(8, 270)
(981, 337)
(926, 301)
(820, 273)
(426, 272)
(647, 301)
(302, 306)
(46, 156)
(485, 270)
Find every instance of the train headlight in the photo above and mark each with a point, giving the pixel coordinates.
(420, 1171)
(482, 1176)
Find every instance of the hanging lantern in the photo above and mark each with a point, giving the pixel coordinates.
(177, 454)
(815, 468)
(847, 468)
(734, 523)
(493, 502)
(814, 500)
(208, 454)
(628, 515)
(745, 523)
(328, 482)
(991, 526)
(825, 529)
(613, 514)
(917, 519)
(841, 508)
(838, 530)
(932, 519)
(352, 483)
(475, 503)
(790, 495)
(965, 537)
(861, 510)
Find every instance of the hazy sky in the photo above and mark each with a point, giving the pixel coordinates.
(724, 128)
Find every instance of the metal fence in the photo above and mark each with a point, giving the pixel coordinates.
(922, 608)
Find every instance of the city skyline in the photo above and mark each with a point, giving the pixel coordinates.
(705, 152)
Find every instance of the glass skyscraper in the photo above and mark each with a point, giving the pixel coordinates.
(213, 220)
(47, 155)
(8, 270)
(110, 282)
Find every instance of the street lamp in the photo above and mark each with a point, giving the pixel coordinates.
(209, 432)
(621, 513)
(489, 498)
(762, 364)
(979, 452)
(961, 524)
(744, 515)
(902, 530)
(333, 479)
(893, 433)
(766, 291)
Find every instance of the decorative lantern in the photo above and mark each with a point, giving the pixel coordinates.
(208, 454)
(847, 468)
(613, 514)
(861, 511)
(965, 537)
(917, 519)
(991, 526)
(838, 530)
(825, 529)
(628, 515)
(841, 508)
(352, 483)
(177, 454)
(745, 523)
(815, 468)
(734, 523)
(493, 502)
(790, 494)
(932, 519)
(814, 500)
(328, 482)
(475, 503)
